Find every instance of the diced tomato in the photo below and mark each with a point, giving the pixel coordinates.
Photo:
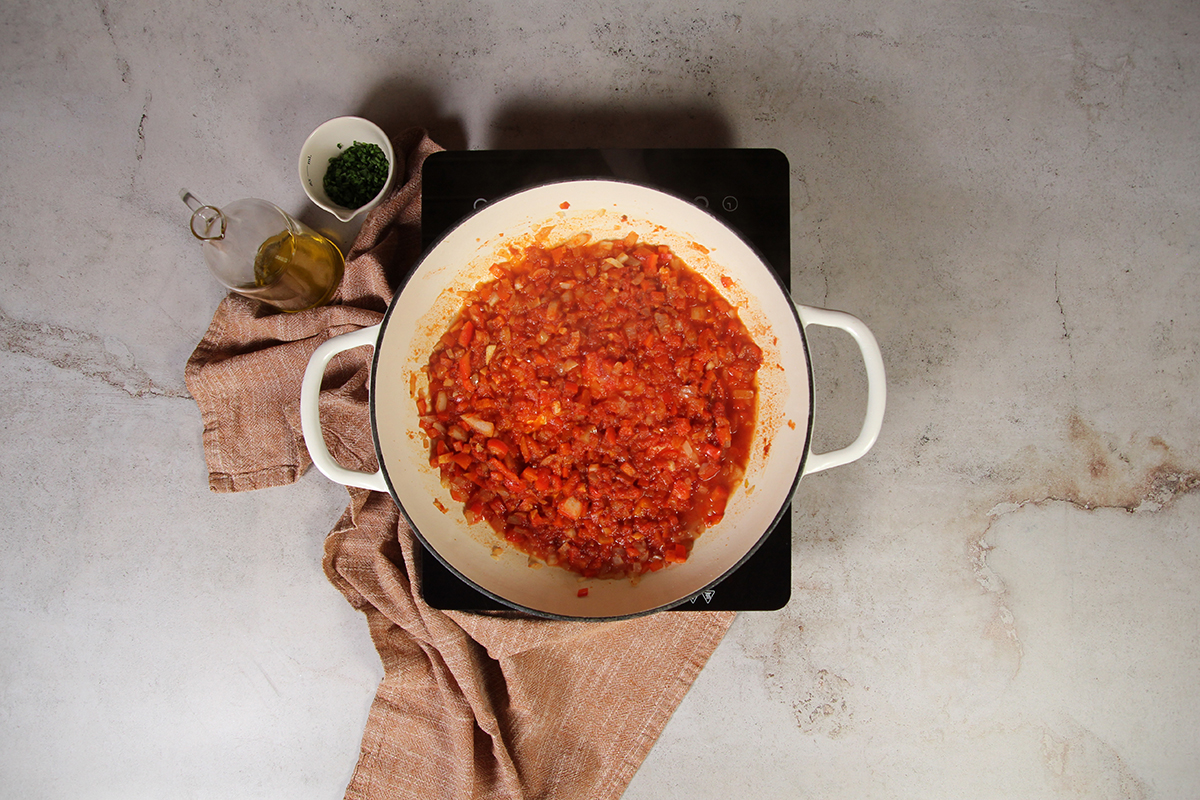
(681, 490)
(724, 434)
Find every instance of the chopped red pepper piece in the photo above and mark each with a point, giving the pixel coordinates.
(464, 335)
(676, 554)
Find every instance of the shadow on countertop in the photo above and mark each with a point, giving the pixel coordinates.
(397, 105)
(530, 126)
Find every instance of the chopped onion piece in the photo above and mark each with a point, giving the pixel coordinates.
(571, 507)
(479, 425)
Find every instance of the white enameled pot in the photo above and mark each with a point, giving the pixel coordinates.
(423, 308)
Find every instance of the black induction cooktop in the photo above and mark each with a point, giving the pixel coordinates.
(747, 188)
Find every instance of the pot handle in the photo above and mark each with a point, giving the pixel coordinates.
(876, 386)
(310, 415)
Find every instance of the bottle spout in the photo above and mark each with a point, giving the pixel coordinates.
(208, 223)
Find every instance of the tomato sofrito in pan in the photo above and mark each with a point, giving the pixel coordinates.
(594, 403)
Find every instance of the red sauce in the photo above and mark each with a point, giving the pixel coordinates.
(595, 404)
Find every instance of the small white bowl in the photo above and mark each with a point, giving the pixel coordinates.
(322, 145)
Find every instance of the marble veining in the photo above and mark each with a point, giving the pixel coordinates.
(107, 360)
(1002, 600)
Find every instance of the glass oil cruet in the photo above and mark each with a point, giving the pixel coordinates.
(256, 249)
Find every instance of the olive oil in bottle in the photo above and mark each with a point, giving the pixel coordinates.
(295, 271)
(258, 250)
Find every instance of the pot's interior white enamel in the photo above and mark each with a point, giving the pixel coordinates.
(605, 209)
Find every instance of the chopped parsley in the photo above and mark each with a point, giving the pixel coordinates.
(356, 175)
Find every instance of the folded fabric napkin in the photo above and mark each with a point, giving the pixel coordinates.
(471, 705)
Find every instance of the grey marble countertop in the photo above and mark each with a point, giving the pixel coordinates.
(1000, 601)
